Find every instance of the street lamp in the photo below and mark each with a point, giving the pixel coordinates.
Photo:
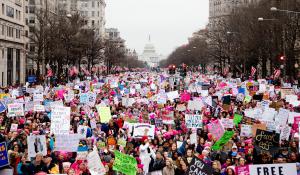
(69, 15)
(263, 19)
(275, 9)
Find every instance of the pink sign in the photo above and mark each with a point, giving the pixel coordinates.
(296, 123)
(216, 129)
(185, 97)
(242, 170)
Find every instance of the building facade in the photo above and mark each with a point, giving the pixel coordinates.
(12, 42)
(149, 55)
(92, 10)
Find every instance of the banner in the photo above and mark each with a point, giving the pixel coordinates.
(216, 129)
(60, 120)
(105, 114)
(141, 129)
(223, 140)
(124, 163)
(66, 142)
(95, 165)
(193, 121)
(273, 169)
(266, 141)
(36, 144)
(15, 109)
(3, 155)
(198, 167)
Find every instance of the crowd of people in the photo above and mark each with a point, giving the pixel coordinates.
(227, 124)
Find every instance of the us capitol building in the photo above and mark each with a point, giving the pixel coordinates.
(149, 55)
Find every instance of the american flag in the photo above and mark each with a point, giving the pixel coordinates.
(253, 71)
(225, 70)
(277, 73)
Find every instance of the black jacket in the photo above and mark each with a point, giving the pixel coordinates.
(156, 165)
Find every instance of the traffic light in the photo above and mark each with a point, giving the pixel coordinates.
(172, 69)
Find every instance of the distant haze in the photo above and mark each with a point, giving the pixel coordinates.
(169, 22)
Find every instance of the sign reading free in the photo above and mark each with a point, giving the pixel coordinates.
(273, 169)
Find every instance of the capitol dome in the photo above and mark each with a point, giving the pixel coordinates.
(149, 48)
(149, 55)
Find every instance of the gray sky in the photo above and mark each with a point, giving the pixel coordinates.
(169, 22)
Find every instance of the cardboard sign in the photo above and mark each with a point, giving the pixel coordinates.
(3, 155)
(140, 129)
(60, 120)
(286, 91)
(124, 163)
(255, 127)
(66, 142)
(36, 144)
(193, 121)
(197, 167)
(273, 169)
(216, 129)
(15, 109)
(266, 141)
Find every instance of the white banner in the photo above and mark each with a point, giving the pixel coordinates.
(273, 169)
(60, 120)
(139, 130)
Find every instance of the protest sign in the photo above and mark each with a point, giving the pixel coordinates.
(273, 169)
(84, 98)
(265, 141)
(3, 155)
(237, 119)
(38, 108)
(181, 107)
(140, 129)
(124, 163)
(36, 144)
(158, 122)
(7, 171)
(172, 95)
(195, 105)
(13, 127)
(242, 170)
(105, 114)
(286, 91)
(60, 120)
(82, 131)
(94, 163)
(216, 129)
(246, 131)
(66, 142)
(91, 99)
(2, 107)
(81, 155)
(261, 126)
(227, 123)
(122, 142)
(282, 117)
(285, 133)
(296, 123)
(15, 109)
(193, 121)
(223, 140)
(38, 97)
(197, 167)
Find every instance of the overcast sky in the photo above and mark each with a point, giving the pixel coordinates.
(169, 22)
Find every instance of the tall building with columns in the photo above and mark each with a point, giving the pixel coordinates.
(12, 42)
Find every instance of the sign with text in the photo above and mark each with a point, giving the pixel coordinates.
(66, 142)
(3, 155)
(216, 129)
(15, 109)
(197, 167)
(141, 129)
(124, 163)
(193, 121)
(60, 120)
(266, 141)
(273, 169)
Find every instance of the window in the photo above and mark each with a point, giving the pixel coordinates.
(26, 9)
(3, 30)
(31, 29)
(10, 31)
(86, 4)
(31, 9)
(32, 20)
(93, 3)
(9, 11)
(98, 13)
(18, 64)
(18, 33)
(9, 65)
(31, 2)
(93, 22)
(93, 14)
(3, 9)
(31, 48)
(26, 33)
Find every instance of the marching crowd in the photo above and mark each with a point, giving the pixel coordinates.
(206, 124)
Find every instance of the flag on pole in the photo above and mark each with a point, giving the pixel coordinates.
(277, 73)
(253, 71)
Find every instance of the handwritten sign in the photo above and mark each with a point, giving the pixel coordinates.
(105, 114)
(285, 133)
(266, 141)
(15, 109)
(3, 155)
(124, 163)
(227, 123)
(60, 120)
(140, 129)
(197, 167)
(66, 142)
(246, 131)
(38, 108)
(38, 97)
(193, 121)
(216, 129)
(94, 163)
(242, 170)
(223, 140)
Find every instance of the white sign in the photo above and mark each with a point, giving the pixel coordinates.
(195, 105)
(13, 127)
(95, 165)
(60, 120)
(15, 109)
(140, 129)
(36, 144)
(227, 123)
(273, 169)
(172, 95)
(38, 96)
(38, 108)
(193, 121)
(66, 142)
(246, 130)
(82, 131)
(285, 133)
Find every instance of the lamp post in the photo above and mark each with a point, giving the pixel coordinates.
(274, 9)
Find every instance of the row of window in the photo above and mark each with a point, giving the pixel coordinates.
(11, 12)
(10, 31)
(93, 14)
(85, 4)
